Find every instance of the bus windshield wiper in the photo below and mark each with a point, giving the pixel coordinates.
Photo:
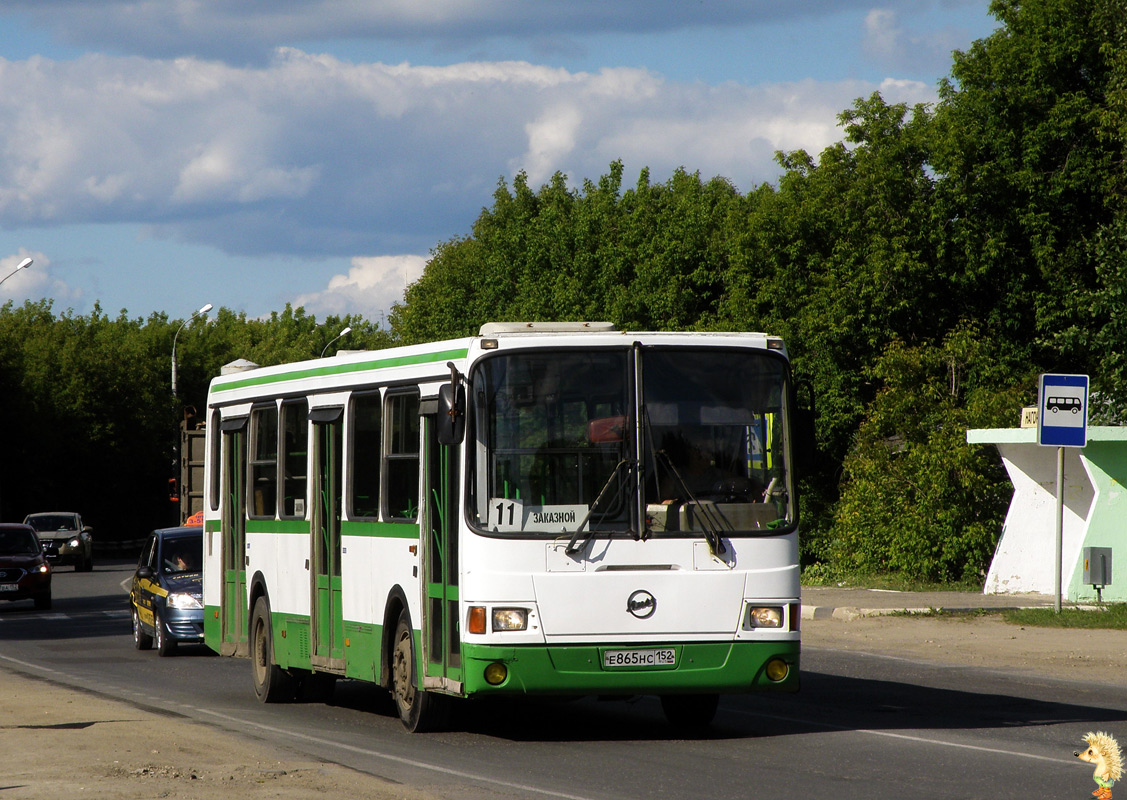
(709, 521)
(580, 539)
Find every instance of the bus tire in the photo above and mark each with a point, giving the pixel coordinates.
(272, 684)
(419, 710)
(690, 711)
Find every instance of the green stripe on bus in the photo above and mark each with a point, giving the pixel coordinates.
(381, 530)
(277, 526)
(384, 530)
(342, 369)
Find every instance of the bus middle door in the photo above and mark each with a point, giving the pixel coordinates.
(441, 630)
(233, 535)
(327, 606)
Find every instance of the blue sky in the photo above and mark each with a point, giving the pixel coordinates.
(248, 153)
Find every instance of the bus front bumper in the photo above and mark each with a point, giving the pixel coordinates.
(725, 668)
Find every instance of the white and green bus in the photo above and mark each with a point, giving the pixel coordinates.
(542, 509)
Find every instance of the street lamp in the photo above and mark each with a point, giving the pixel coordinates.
(201, 312)
(22, 265)
(345, 332)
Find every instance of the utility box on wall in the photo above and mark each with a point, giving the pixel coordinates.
(1097, 566)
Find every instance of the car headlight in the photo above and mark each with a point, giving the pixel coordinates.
(74, 542)
(764, 617)
(183, 600)
(510, 619)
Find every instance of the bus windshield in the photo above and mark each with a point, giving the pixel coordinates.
(562, 440)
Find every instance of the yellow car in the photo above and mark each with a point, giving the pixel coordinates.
(166, 598)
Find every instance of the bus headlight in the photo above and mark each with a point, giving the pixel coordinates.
(764, 617)
(510, 619)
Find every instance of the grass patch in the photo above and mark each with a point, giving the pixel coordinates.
(821, 575)
(1109, 617)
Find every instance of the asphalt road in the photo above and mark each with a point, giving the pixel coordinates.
(863, 726)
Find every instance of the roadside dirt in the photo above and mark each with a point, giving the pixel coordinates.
(56, 742)
(1097, 656)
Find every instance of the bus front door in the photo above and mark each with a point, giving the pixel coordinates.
(441, 629)
(234, 612)
(327, 623)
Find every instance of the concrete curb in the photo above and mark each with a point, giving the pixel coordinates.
(850, 613)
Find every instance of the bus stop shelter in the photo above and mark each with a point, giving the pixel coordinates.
(1095, 512)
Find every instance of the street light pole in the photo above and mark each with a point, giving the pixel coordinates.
(22, 265)
(345, 332)
(195, 314)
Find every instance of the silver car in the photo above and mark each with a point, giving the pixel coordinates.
(64, 538)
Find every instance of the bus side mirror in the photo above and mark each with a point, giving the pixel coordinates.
(451, 414)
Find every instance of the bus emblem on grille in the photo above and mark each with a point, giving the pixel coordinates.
(642, 604)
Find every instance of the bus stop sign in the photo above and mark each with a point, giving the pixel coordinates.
(1062, 418)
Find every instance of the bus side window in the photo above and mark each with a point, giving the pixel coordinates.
(365, 456)
(401, 457)
(295, 436)
(263, 490)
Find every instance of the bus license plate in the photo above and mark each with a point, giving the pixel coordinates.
(659, 657)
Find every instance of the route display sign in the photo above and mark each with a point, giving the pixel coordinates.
(1062, 405)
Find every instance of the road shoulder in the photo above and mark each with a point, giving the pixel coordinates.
(59, 742)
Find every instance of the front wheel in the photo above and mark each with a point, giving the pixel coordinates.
(166, 645)
(272, 684)
(419, 710)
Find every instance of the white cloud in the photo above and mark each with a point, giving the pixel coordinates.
(551, 140)
(34, 282)
(887, 41)
(313, 155)
(373, 284)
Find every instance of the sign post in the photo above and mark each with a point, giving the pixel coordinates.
(1062, 421)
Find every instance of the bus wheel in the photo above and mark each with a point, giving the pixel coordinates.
(690, 711)
(272, 684)
(419, 710)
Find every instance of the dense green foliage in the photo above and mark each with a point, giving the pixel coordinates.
(91, 421)
(923, 271)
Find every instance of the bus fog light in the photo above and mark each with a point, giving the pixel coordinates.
(764, 617)
(510, 619)
(496, 673)
(777, 670)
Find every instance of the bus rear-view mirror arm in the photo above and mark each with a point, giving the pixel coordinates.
(452, 409)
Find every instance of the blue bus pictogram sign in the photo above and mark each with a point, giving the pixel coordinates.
(1062, 418)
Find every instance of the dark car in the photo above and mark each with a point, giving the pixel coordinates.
(24, 571)
(65, 539)
(166, 599)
